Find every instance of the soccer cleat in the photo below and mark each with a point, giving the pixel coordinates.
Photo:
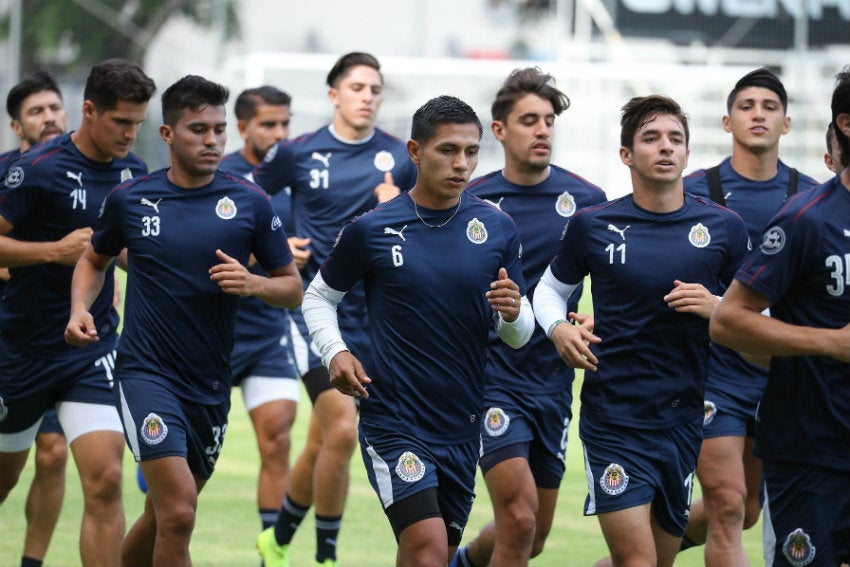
(273, 555)
(327, 563)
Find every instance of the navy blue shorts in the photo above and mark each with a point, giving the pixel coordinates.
(159, 424)
(806, 515)
(29, 386)
(727, 415)
(628, 467)
(541, 425)
(269, 358)
(50, 423)
(399, 466)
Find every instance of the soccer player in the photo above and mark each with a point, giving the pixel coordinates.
(51, 199)
(261, 364)
(335, 173)
(431, 313)
(803, 428)
(528, 392)
(172, 370)
(38, 114)
(656, 259)
(754, 182)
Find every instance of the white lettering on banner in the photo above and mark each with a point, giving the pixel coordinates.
(741, 8)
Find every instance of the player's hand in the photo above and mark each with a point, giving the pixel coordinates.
(300, 252)
(348, 376)
(81, 330)
(232, 277)
(504, 296)
(573, 343)
(691, 298)
(585, 321)
(386, 190)
(69, 249)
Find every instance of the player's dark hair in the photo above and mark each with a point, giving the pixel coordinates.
(191, 92)
(640, 110)
(764, 78)
(841, 105)
(441, 110)
(249, 99)
(522, 82)
(350, 60)
(39, 81)
(830, 132)
(114, 80)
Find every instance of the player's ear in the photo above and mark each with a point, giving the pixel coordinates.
(626, 156)
(498, 129)
(413, 150)
(166, 133)
(17, 128)
(843, 122)
(727, 124)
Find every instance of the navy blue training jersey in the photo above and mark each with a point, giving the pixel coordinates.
(756, 202)
(652, 359)
(333, 181)
(429, 317)
(50, 191)
(178, 322)
(540, 212)
(7, 158)
(802, 267)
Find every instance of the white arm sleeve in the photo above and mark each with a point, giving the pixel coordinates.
(550, 300)
(516, 333)
(319, 310)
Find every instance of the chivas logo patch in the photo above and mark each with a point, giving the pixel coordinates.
(226, 208)
(476, 232)
(384, 161)
(798, 548)
(709, 411)
(565, 205)
(410, 468)
(153, 430)
(699, 236)
(496, 422)
(614, 479)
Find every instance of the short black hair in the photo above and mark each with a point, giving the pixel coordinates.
(117, 79)
(442, 110)
(192, 92)
(841, 105)
(37, 82)
(350, 60)
(248, 100)
(761, 77)
(522, 82)
(639, 110)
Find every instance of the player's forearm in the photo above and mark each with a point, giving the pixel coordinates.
(280, 291)
(14, 253)
(86, 284)
(517, 332)
(319, 310)
(550, 300)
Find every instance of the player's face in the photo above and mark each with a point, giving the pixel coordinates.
(43, 117)
(757, 120)
(446, 163)
(356, 99)
(268, 126)
(660, 152)
(197, 140)
(527, 134)
(114, 131)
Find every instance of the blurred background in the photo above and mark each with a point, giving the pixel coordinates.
(601, 52)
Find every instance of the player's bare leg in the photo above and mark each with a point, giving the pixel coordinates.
(47, 491)
(272, 423)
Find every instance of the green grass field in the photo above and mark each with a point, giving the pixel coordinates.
(227, 519)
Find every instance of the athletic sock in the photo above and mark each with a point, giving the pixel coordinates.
(268, 516)
(288, 521)
(464, 560)
(327, 530)
(30, 562)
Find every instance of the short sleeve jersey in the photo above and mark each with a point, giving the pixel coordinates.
(178, 322)
(332, 181)
(802, 266)
(756, 202)
(652, 359)
(52, 190)
(429, 317)
(540, 212)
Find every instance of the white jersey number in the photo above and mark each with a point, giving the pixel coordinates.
(150, 226)
(612, 253)
(840, 274)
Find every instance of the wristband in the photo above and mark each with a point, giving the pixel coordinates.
(555, 324)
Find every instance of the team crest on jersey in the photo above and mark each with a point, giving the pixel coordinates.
(496, 422)
(773, 241)
(226, 208)
(476, 232)
(614, 479)
(126, 174)
(384, 161)
(410, 468)
(798, 548)
(14, 177)
(565, 205)
(4, 411)
(270, 154)
(699, 235)
(709, 411)
(153, 430)
(276, 223)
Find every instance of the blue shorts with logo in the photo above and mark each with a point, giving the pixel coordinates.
(806, 515)
(728, 415)
(159, 424)
(268, 357)
(542, 424)
(399, 466)
(29, 386)
(629, 467)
